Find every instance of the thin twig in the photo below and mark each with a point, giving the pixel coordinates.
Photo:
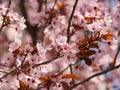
(67, 68)
(114, 62)
(63, 70)
(69, 22)
(46, 62)
(15, 69)
(40, 5)
(95, 75)
(3, 71)
(71, 71)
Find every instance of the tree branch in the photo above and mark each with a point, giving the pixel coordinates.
(69, 22)
(97, 74)
(32, 30)
(114, 62)
(46, 62)
(40, 5)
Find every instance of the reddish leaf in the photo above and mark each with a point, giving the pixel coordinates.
(65, 86)
(61, 6)
(52, 14)
(88, 61)
(89, 53)
(93, 38)
(108, 31)
(73, 76)
(77, 27)
(78, 55)
(83, 40)
(107, 37)
(23, 86)
(89, 19)
(94, 45)
(43, 79)
(96, 9)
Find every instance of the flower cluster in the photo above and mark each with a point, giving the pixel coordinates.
(59, 46)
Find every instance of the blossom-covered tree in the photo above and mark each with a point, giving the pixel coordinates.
(59, 45)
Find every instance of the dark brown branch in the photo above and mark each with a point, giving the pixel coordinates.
(69, 21)
(70, 65)
(54, 4)
(95, 75)
(45, 6)
(71, 71)
(116, 56)
(47, 62)
(40, 5)
(32, 30)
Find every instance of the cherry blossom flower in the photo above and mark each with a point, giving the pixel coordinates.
(41, 51)
(15, 45)
(8, 60)
(10, 81)
(42, 17)
(27, 49)
(94, 34)
(21, 26)
(31, 81)
(3, 9)
(59, 22)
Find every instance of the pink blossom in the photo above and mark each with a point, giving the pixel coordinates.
(21, 25)
(8, 60)
(15, 45)
(3, 9)
(10, 81)
(41, 51)
(27, 49)
(59, 22)
(42, 17)
(34, 59)
(31, 81)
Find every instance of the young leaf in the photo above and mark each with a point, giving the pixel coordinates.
(43, 79)
(94, 45)
(73, 76)
(107, 37)
(65, 86)
(78, 55)
(89, 53)
(89, 19)
(88, 61)
(77, 27)
(96, 9)
(23, 86)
